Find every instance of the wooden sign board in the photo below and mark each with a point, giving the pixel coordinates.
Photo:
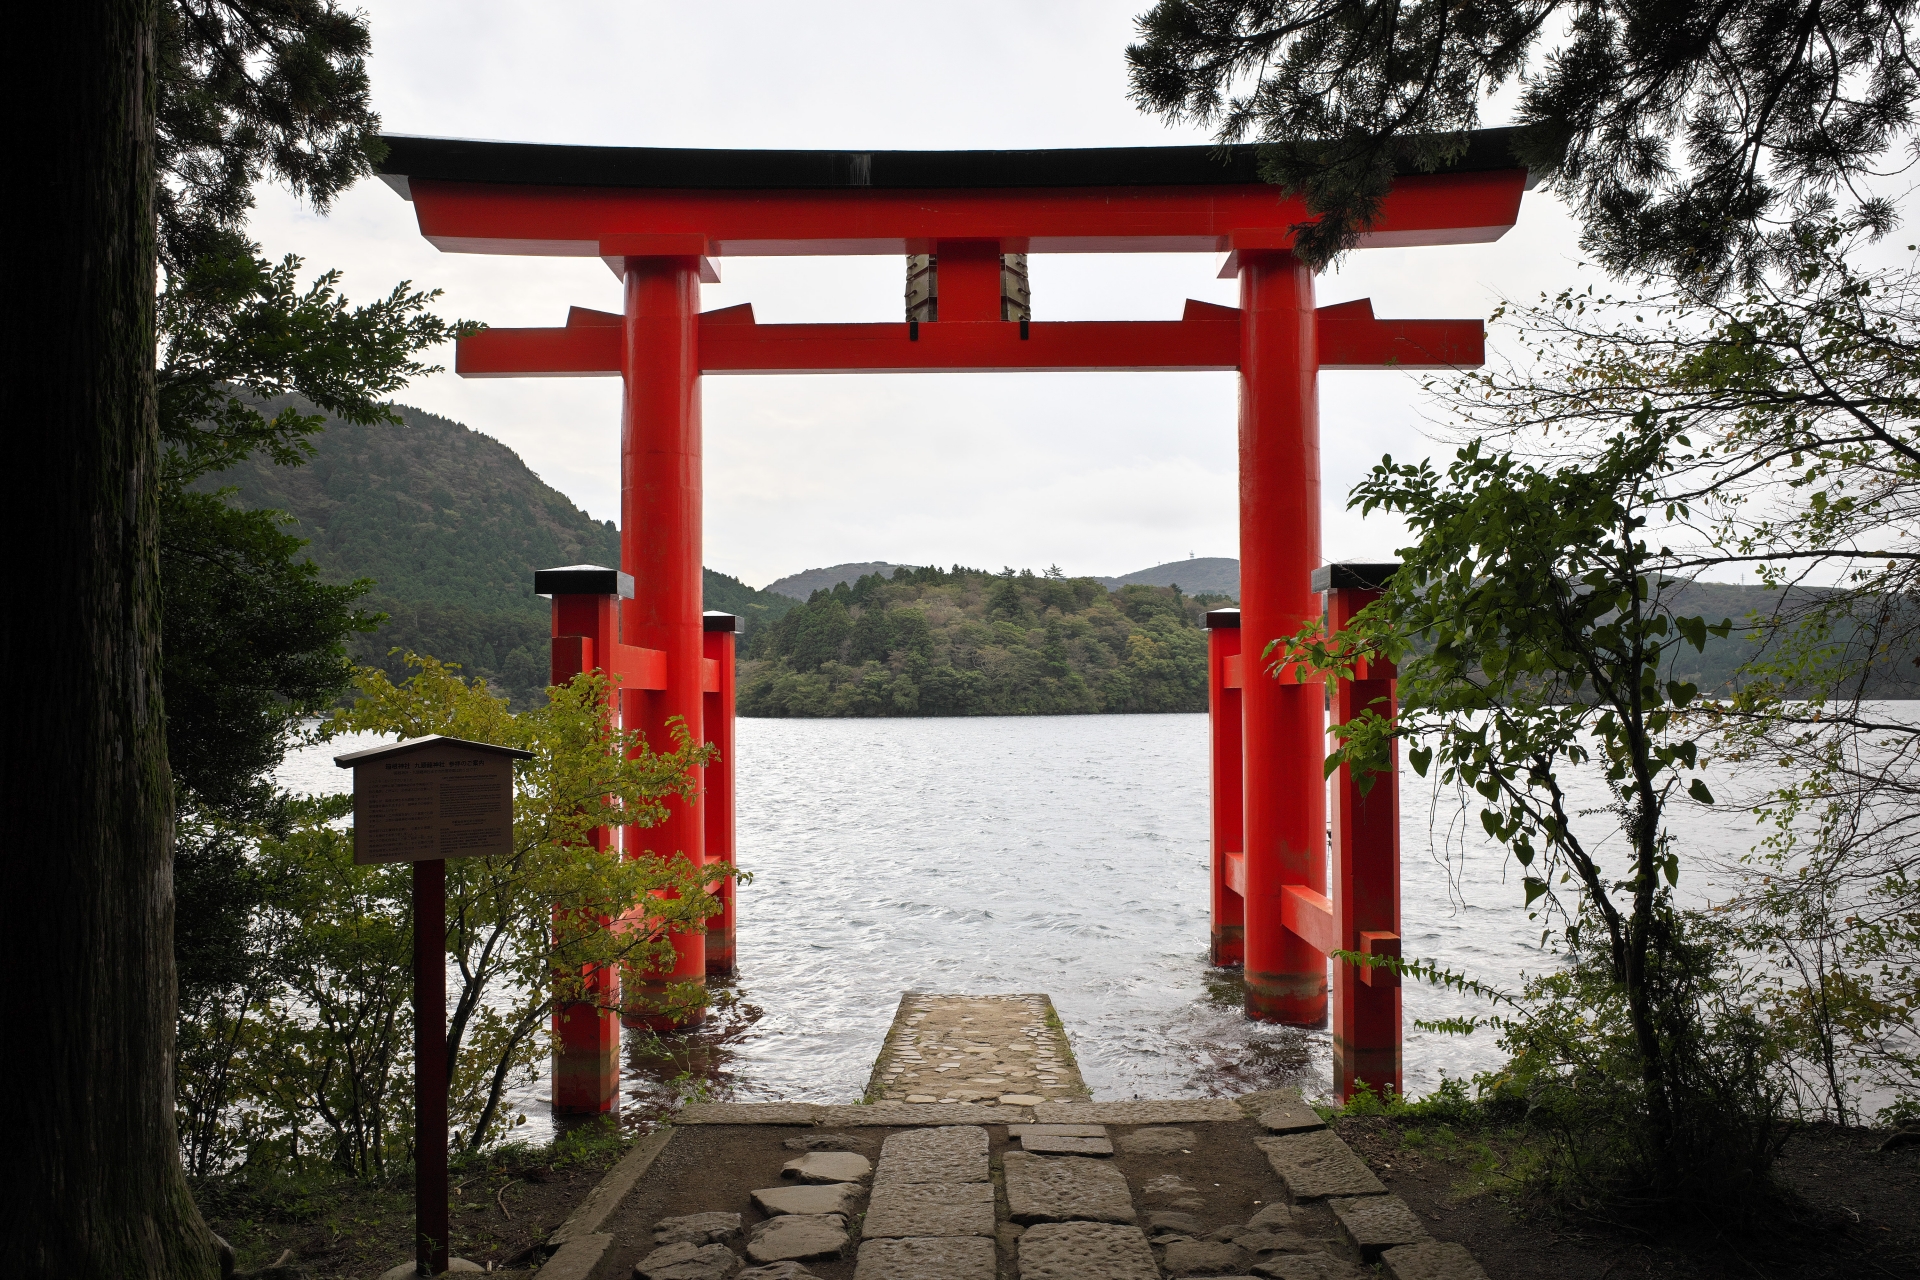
(432, 798)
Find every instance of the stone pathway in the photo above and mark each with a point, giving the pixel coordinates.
(932, 1215)
(978, 1049)
(974, 1184)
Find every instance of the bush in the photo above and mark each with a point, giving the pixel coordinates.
(314, 1056)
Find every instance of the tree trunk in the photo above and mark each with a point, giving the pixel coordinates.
(86, 918)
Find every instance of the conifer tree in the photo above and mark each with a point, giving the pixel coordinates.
(1688, 138)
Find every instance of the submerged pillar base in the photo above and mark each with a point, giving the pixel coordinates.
(1296, 999)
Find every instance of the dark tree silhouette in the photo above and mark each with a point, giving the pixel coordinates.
(1689, 138)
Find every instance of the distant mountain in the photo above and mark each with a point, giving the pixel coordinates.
(799, 586)
(1212, 575)
(451, 525)
(755, 608)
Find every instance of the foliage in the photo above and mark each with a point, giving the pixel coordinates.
(1546, 645)
(1684, 136)
(1574, 1100)
(253, 90)
(253, 639)
(940, 642)
(1802, 394)
(315, 1054)
(338, 1225)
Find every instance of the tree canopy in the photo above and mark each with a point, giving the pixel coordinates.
(1685, 137)
(941, 642)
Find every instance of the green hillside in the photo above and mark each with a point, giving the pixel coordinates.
(1714, 669)
(451, 525)
(933, 642)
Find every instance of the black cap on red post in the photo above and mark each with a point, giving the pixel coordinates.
(713, 620)
(1223, 619)
(583, 580)
(1351, 574)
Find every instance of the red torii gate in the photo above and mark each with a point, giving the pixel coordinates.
(660, 217)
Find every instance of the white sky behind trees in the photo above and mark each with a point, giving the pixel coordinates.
(1099, 473)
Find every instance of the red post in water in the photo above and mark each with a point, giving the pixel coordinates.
(720, 638)
(430, 1066)
(1285, 722)
(1366, 860)
(660, 546)
(586, 1032)
(1227, 825)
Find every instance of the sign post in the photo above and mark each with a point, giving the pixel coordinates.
(424, 801)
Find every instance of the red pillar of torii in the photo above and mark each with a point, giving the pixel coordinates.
(660, 218)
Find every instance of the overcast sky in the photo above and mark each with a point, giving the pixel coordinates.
(1101, 474)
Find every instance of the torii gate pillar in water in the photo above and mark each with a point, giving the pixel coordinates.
(660, 537)
(1283, 724)
(659, 218)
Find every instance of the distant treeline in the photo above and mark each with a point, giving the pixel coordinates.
(511, 646)
(961, 642)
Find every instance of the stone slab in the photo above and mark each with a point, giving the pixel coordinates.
(951, 1154)
(1263, 1099)
(1275, 1217)
(1206, 1258)
(1189, 1111)
(949, 1258)
(925, 1209)
(1057, 1130)
(1156, 1141)
(582, 1258)
(828, 1197)
(909, 1114)
(1086, 1251)
(1162, 1222)
(777, 1271)
(1309, 1266)
(798, 1237)
(684, 1261)
(697, 1228)
(1175, 1190)
(1371, 1225)
(1277, 1241)
(1065, 1189)
(787, 1113)
(1291, 1117)
(1048, 1145)
(1432, 1260)
(829, 1166)
(1316, 1166)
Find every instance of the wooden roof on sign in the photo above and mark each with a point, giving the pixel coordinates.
(355, 758)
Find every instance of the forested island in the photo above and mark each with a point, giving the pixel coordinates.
(960, 642)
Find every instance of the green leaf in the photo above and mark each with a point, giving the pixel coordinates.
(1420, 758)
(1698, 790)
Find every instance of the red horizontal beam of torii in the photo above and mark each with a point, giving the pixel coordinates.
(1207, 338)
(613, 222)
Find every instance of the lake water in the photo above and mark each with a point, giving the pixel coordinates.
(1063, 854)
